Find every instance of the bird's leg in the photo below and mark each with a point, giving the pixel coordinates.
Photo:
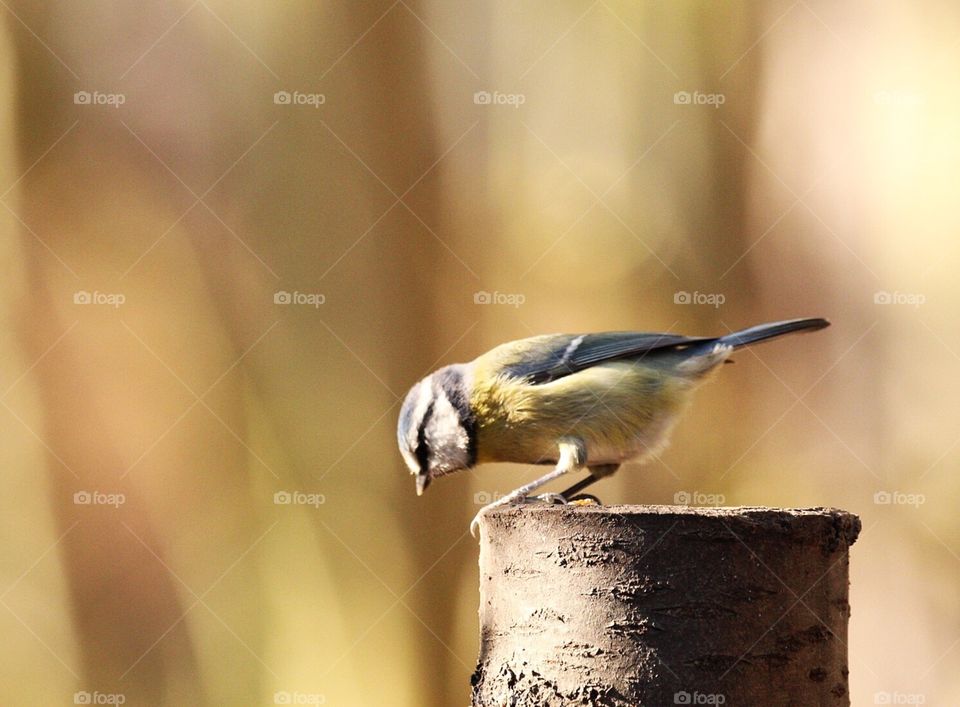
(597, 472)
(573, 454)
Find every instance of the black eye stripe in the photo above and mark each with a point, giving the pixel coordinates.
(423, 452)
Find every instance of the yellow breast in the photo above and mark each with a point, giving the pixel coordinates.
(618, 409)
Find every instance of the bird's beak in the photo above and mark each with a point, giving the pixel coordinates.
(423, 480)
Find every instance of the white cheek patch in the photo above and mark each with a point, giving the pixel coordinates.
(446, 436)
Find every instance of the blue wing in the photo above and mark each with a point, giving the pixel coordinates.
(542, 359)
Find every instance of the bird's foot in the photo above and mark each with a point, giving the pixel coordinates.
(584, 499)
(504, 501)
(551, 498)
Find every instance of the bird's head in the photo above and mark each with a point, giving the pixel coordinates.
(436, 431)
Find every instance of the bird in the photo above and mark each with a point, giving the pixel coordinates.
(579, 402)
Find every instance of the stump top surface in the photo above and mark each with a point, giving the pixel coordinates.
(660, 510)
(846, 523)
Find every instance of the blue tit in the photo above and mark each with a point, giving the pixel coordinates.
(576, 401)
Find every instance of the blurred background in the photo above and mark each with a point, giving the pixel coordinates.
(235, 233)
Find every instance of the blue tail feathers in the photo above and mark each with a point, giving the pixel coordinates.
(762, 332)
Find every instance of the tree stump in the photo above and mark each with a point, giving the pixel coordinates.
(663, 605)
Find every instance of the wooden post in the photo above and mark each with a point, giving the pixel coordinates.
(663, 605)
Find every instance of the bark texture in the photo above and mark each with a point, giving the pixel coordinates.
(663, 605)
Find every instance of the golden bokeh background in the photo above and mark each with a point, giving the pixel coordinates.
(235, 233)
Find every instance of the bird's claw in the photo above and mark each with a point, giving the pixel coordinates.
(506, 500)
(551, 498)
